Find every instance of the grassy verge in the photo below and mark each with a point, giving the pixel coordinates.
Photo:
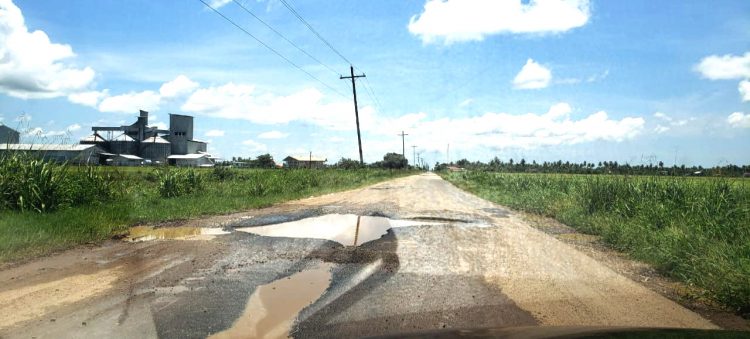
(694, 229)
(140, 196)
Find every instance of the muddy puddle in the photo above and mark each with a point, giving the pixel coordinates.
(346, 229)
(148, 233)
(272, 308)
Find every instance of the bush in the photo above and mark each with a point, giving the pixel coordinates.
(31, 184)
(177, 182)
(222, 173)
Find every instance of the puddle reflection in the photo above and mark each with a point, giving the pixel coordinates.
(272, 308)
(346, 229)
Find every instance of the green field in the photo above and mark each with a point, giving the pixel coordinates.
(694, 229)
(46, 207)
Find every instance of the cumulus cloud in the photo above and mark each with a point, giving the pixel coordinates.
(241, 101)
(254, 146)
(180, 86)
(90, 98)
(215, 133)
(472, 20)
(739, 120)
(504, 130)
(272, 135)
(659, 129)
(32, 66)
(131, 102)
(744, 89)
(725, 67)
(532, 76)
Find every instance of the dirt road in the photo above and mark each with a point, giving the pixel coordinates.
(447, 260)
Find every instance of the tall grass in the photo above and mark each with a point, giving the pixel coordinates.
(694, 229)
(31, 184)
(46, 206)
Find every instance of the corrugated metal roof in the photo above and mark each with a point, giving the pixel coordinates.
(92, 138)
(156, 140)
(305, 158)
(188, 156)
(45, 147)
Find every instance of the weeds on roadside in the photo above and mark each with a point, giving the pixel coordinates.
(694, 229)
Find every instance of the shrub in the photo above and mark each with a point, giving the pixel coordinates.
(177, 182)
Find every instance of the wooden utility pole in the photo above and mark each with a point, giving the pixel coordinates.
(356, 110)
(403, 145)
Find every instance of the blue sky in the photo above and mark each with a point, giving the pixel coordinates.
(577, 80)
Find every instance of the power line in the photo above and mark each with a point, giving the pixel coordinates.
(301, 19)
(270, 48)
(283, 37)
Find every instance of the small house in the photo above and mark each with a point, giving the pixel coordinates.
(304, 161)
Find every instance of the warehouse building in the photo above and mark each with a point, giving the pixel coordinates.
(304, 161)
(76, 154)
(8, 135)
(151, 144)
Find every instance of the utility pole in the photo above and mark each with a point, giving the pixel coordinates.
(403, 145)
(356, 110)
(414, 154)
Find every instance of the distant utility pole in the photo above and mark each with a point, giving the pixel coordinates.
(414, 154)
(356, 110)
(403, 145)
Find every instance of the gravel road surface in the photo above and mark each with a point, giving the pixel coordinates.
(454, 261)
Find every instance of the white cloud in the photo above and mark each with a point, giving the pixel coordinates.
(73, 128)
(669, 122)
(744, 89)
(532, 76)
(31, 66)
(219, 3)
(472, 20)
(180, 86)
(662, 116)
(215, 133)
(739, 120)
(725, 67)
(661, 129)
(90, 98)
(131, 102)
(272, 135)
(503, 130)
(242, 101)
(254, 146)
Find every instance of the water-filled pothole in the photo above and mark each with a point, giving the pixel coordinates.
(272, 308)
(146, 233)
(346, 229)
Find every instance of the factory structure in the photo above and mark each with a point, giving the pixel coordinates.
(139, 144)
(133, 145)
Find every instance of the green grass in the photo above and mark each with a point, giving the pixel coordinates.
(140, 198)
(694, 229)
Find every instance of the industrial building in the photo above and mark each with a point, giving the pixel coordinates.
(140, 144)
(304, 161)
(8, 135)
(76, 154)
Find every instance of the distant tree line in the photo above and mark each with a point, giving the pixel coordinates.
(390, 161)
(602, 167)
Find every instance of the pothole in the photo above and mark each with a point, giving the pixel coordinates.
(346, 229)
(272, 308)
(148, 233)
